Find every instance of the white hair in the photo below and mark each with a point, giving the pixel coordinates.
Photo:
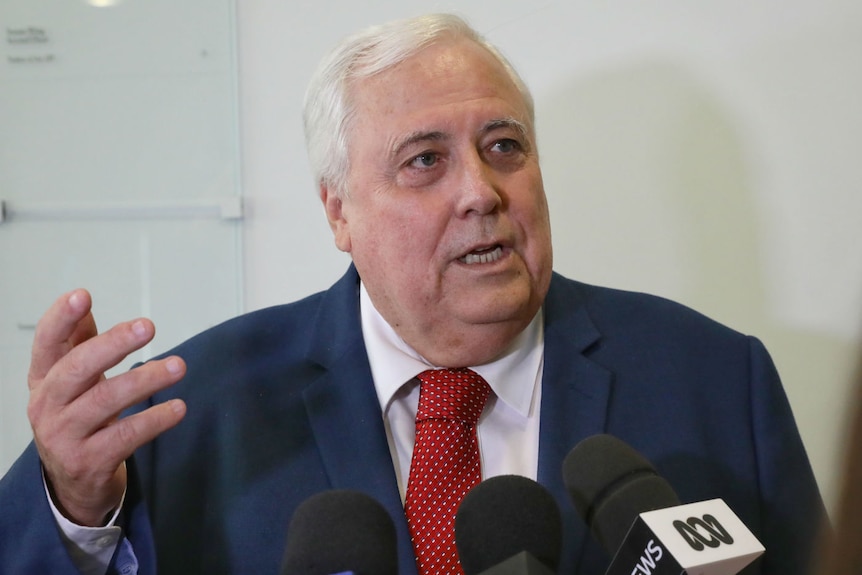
(328, 110)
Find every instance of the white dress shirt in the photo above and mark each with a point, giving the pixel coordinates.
(508, 429)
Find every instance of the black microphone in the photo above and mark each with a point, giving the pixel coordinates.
(637, 517)
(508, 525)
(340, 532)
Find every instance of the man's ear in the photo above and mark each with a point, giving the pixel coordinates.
(334, 208)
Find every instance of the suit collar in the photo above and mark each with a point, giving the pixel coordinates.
(344, 411)
(575, 398)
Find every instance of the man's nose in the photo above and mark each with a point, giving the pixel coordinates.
(479, 191)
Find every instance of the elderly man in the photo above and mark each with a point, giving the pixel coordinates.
(422, 138)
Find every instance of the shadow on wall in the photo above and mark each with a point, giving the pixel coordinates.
(842, 554)
(652, 188)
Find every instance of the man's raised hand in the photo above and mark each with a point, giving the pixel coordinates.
(74, 409)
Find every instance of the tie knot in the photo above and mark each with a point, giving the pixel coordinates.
(458, 394)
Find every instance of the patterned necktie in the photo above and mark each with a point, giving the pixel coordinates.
(445, 464)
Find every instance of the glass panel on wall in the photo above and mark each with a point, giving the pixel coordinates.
(119, 172)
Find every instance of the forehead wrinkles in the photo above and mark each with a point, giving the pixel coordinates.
(493, 81)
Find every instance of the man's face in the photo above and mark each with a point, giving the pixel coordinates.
(445, 217)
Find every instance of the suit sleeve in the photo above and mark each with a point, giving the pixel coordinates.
(792, 511)
(29, 539)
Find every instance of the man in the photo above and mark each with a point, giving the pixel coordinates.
(422, 138)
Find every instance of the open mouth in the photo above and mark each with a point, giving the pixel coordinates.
(483, 256)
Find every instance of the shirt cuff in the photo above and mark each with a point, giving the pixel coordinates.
(91, 548)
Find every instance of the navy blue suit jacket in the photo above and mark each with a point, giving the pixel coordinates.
(281, 405)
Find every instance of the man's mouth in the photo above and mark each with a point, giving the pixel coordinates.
(483, 256)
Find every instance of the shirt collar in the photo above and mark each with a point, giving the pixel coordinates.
(512, 376)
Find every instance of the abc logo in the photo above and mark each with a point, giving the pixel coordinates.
(704, 532)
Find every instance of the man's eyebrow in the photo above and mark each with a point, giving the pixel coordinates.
(415, 138)
(435, 136)
(512, 123)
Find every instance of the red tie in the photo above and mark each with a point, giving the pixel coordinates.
(445, 464)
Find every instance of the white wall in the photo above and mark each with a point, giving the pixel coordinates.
(706, 151)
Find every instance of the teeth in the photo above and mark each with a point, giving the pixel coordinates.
(484, 258)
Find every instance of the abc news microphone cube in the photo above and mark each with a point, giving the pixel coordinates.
(704, 538)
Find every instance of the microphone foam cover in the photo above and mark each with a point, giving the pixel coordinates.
(610, 484)
(503, 516)
(340, 530)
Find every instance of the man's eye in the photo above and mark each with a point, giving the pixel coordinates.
(506, 146)
(424, 160)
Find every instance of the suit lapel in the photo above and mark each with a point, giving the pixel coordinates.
(344, 411)
(575, 398)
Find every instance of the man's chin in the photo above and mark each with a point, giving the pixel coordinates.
(498, 308)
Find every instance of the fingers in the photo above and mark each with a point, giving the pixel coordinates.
(119, 440)
(66, 323)
(95, 458)
(99, 406)
(82, 367)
